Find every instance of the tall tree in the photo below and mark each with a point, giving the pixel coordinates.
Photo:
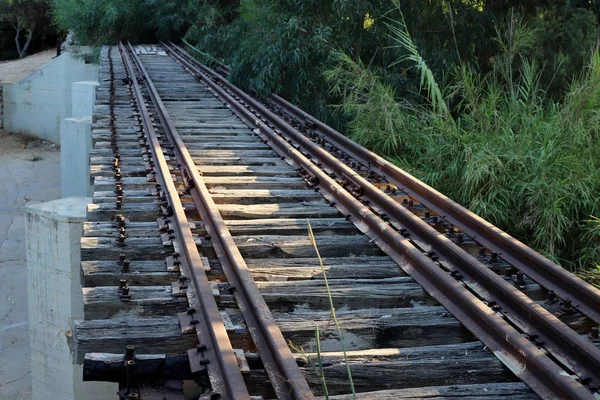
(25, 16)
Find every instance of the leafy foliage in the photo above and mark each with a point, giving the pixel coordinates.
(101, 22)
(493, 102)
(527, 164)
(25, 16)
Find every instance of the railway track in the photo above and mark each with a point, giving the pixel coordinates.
(197, 255)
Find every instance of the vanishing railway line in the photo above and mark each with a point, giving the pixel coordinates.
(197, 255)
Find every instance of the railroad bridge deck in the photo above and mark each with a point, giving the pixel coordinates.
(198, 240)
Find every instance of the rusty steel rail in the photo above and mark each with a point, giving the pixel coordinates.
(284, 374)
(538, 371)
(584, 297)
(223, 370)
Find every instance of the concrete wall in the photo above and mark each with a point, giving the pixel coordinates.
(76, 143)
(55, 300)
(38, 103)
(1, 107)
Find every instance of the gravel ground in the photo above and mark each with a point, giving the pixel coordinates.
(29, 173)
(15, 70)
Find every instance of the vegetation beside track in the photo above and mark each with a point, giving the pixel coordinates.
(505, 120)
(25, 27)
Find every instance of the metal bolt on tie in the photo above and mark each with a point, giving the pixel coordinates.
(520, 278)
(551, 298)
(566, 305)
(594, 334)
(125, 296)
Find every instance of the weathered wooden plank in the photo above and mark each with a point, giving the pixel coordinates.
(258, 145)
(131, 135)
(148, 335)
(106, 183)
(108, 367)
(470, 363)
(350, 293)
(241, 154)
(250, 246)
(369, 328)
(102, 197)
(301, 209)
(103, 302)
(487, 391)
(214, 137)
(274, 246)
(362, 329)
(288, 226)
(282, 226)
(389, 369)
(232, 160)
(152, 272)
(289, 269)
(141, 273)
(109, 229)
(255, 182)
(122, 145)
(126, 170)
(125, 160)
(217, 130)
(134, 211)
(247, 182)
(107, 152)
(264, 196)
(136, 248)
(242, 170)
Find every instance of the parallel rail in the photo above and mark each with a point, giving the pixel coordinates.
(286, 378)
(228, 156)
(540, 372)
(225, 374)
(583, 297)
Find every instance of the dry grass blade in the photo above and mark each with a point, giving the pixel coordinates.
(332, 309)
(320, 362)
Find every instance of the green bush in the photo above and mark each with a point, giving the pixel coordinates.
(106, 22)
(527, 164)
(512, 133)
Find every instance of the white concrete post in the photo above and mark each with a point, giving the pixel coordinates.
(83, 98)
(76, 143)
(53, 234)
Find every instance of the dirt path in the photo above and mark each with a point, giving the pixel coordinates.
(15, 70)
(29, 173)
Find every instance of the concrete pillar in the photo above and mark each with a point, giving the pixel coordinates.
(76, 143)
(53, 234)
(83, 98)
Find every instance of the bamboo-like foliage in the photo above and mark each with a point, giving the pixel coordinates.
(526, 163)
(402, 39)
